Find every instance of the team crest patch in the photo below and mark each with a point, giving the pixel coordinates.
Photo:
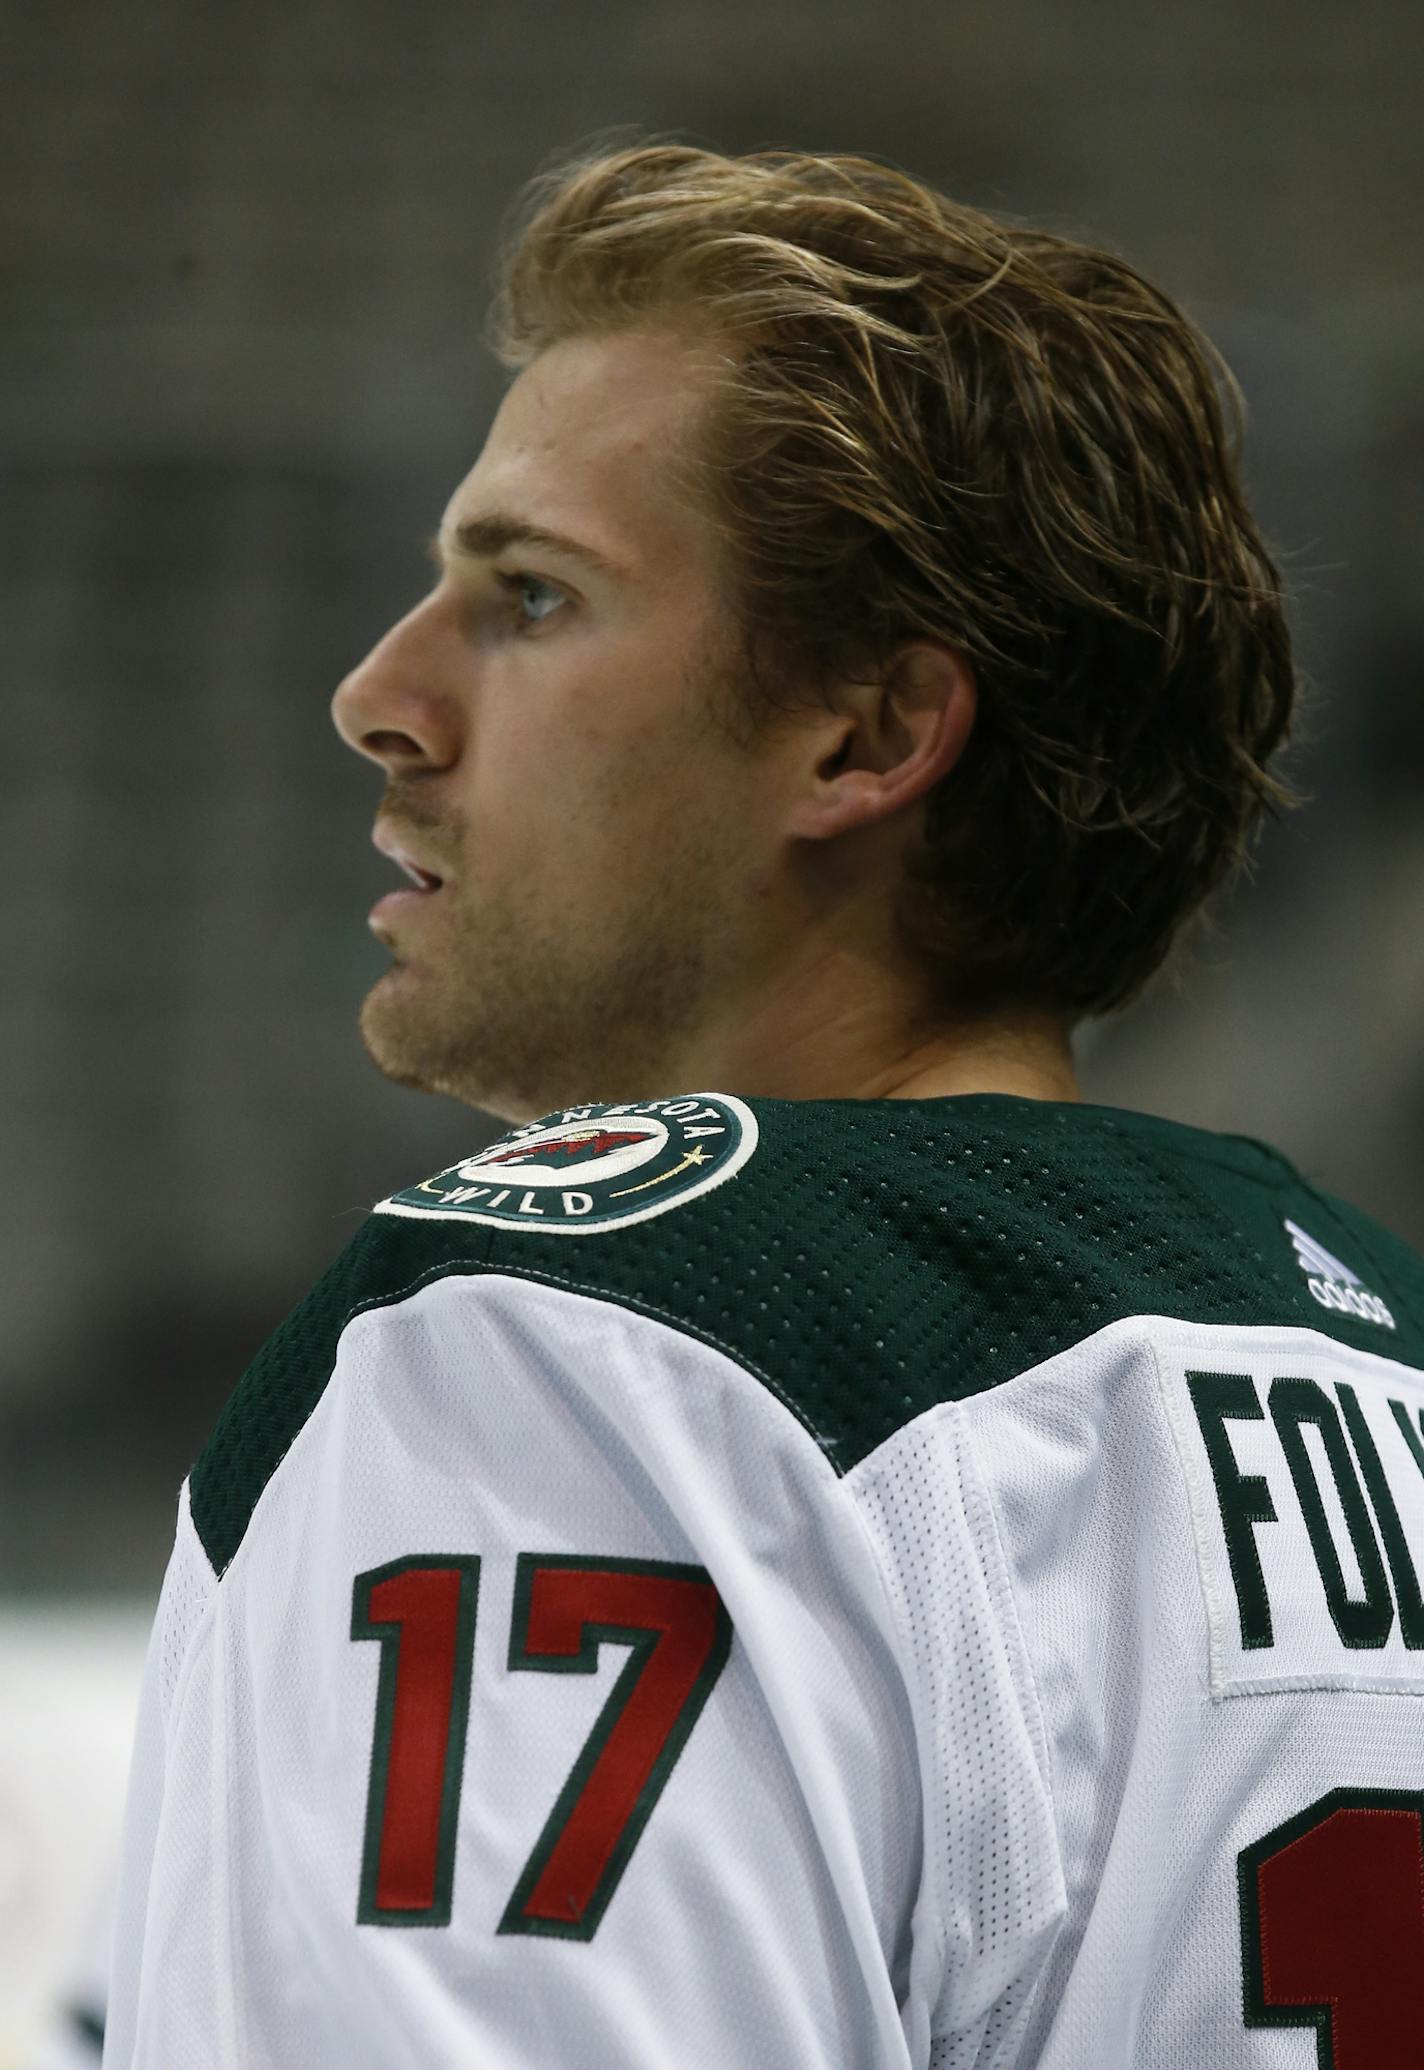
(583, 1169)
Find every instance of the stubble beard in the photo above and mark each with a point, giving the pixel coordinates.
(519, 1013)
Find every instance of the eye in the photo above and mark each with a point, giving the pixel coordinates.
(515, 585)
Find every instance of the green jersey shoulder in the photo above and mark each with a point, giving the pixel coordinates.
(865, 1259)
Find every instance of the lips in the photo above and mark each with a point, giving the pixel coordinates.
(403, 903)
(426, 880)
(391, 842)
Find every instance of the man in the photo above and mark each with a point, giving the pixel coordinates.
(817, 1546)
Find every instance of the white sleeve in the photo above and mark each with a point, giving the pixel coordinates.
(995, 1894)
(189, 1586)
(552, 1710)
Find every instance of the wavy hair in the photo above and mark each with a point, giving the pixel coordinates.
(937, 422)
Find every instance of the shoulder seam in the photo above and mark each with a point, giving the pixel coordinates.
(462, 1266)
(190, 1652)
(674, 1322)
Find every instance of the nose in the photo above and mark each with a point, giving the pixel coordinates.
(399, 706)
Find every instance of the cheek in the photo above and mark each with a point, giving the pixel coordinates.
(583, 793)
(555, 808)
(530, 764)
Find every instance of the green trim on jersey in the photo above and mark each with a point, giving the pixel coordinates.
(874, 1257)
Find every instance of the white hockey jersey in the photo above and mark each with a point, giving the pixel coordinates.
(719, 1584)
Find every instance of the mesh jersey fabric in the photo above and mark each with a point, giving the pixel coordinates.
(914, 1390)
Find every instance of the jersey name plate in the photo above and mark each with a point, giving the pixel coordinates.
(1305, 1471)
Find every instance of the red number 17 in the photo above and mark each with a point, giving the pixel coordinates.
(422, 1612)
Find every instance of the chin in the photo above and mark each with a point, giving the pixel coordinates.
(397, 1046)
(386, 1036)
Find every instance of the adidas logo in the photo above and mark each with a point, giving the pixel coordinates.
(1334, 1285)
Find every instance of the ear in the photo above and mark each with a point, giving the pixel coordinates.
(891, 741)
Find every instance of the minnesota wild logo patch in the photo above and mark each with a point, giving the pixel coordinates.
(584, 1169)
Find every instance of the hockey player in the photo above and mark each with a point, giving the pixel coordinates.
(817, 1547)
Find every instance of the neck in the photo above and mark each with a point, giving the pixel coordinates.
(1028, 1058)
(869, 1042)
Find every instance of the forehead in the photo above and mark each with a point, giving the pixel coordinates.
(584, 442)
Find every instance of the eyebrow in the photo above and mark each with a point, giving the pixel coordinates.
(481, 538)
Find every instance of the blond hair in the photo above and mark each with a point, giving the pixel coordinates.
(944, 423)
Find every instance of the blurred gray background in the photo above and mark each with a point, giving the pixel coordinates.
(244, 257)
